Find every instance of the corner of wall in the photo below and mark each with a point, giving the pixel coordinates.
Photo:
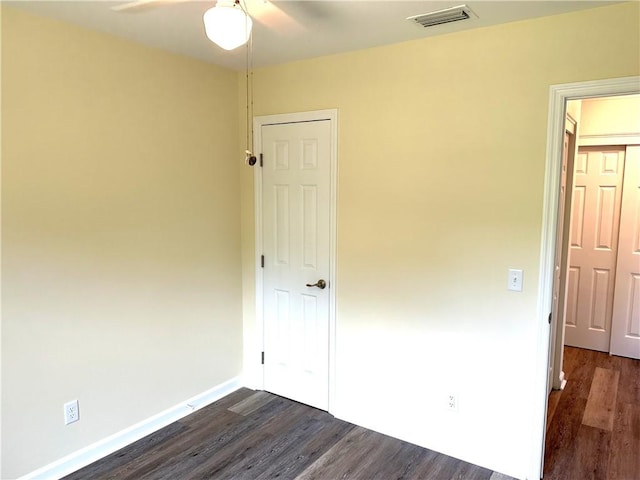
(1, 361)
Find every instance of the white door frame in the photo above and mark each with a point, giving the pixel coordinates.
(558, 96)
(258, 123)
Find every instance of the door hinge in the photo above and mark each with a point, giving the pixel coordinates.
(550, 317)
(261, 160)
(262, 261)
(262, 358)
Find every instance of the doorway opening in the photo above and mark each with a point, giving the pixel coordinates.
(597, 263)
(552, 338)
(602, 261)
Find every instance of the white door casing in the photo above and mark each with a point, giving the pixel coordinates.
(296, 232)
(597, 194)
(625, 327)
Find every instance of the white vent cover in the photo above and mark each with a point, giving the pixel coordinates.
(453, 14)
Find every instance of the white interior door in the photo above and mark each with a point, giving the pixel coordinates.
(296, 215)
(597, 193)
(625, 326)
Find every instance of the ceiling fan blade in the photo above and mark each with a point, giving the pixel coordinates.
(142, 5)
(270, 15)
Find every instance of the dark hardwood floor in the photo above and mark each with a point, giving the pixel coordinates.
(256, 435)
(593, 425)
(593, 432)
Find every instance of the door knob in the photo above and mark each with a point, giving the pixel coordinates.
(321, 284)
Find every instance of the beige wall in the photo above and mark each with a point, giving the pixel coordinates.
(617, 116)
(120, 234)
(440, 190)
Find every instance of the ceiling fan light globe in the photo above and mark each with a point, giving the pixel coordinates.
(227, 26)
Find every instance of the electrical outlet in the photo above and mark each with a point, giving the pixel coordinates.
(71, 412)
(452, 402)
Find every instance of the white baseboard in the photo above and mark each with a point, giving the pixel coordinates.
(112, 443)
(563, 381)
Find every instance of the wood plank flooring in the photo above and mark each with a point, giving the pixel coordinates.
(256, 435)
(593, 425)
(593, 432)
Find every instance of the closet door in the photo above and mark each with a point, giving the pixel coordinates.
(595, 216)
(625, 327)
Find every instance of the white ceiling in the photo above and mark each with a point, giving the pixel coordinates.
(291, 29)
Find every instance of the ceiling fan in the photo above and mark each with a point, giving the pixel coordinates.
(229, 22)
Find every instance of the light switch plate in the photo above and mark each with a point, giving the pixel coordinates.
(515, 280)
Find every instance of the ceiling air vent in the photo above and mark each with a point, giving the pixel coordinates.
(447, 15)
